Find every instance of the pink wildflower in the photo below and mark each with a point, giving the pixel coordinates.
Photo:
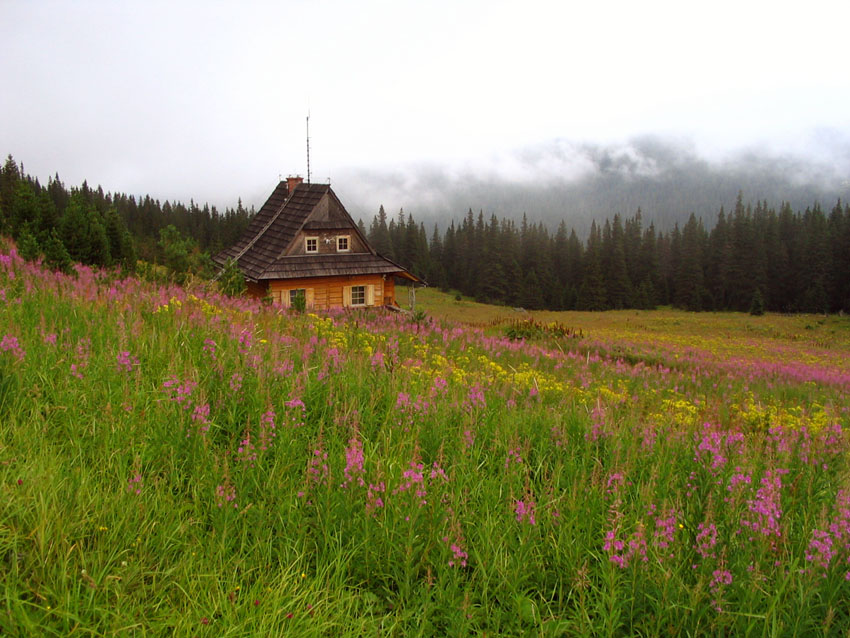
(524, 510)
(353, 463)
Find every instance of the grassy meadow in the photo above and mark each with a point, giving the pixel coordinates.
(176, 462)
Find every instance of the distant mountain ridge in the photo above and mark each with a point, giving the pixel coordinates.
(578, 183)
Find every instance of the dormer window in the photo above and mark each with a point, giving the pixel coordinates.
(311, 244)
(342, 243)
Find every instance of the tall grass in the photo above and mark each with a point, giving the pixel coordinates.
(173, 461)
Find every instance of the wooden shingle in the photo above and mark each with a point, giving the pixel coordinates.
(268, 250)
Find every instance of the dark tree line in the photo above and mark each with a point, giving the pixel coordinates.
(109, 229)
(754, 258)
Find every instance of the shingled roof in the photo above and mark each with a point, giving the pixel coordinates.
(260, 252)
(332, 265)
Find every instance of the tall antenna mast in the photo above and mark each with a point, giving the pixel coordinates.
(308, 147)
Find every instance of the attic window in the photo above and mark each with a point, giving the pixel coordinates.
(311, 244)
(342, 244)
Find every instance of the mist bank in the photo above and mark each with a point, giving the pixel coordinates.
(578, 183)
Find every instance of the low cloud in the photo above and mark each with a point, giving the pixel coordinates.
(667, 179)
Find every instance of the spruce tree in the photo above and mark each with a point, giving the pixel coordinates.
(28, 247)
(74, 228)
(56, 256)
(617, 278)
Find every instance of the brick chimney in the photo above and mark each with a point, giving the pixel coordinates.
(292, 181)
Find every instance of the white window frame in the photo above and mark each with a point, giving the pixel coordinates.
(347, 240)
(356, 290)
(307, 241)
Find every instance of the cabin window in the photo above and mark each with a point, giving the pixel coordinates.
(342, 244)
(358, 295)
(311, 244)
(295, 297)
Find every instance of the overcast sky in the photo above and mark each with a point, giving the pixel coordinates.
(207, 100)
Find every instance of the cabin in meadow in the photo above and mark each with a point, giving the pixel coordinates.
(303, 242)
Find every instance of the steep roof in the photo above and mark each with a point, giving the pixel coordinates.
(273, 228)
(260, 252)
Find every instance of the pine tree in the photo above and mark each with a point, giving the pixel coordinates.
(757, 305)
(56, 256)
(74, 228)
(617, 278)
(128, 252)
(98, 242)
(28, 246)
(592, 294)
(690, 291)
(115, 235)
(25, 209)
(379, 235)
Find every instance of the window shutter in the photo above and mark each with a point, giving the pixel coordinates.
(284, 298)
(370, 295)
(346, 296)
(309, 297)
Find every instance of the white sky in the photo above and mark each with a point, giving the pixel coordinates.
(207, 100)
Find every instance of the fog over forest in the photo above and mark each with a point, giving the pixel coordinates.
(579, 182)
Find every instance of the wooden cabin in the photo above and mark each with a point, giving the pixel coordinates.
(303, 242)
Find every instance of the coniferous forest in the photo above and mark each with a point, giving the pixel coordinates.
(111, 229)
(755, 258)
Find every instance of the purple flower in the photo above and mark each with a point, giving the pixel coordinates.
(353, 463)
(10, 344)
(524, 510)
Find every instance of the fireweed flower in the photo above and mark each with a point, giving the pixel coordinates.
(126, 362)
(524, 510)
(765, 510)
(246, 451)
(200, 415)
(373, 500)
(820, 551)
(414, 478)
(468, 439)
(512, 457)
(377, 361)
(475, 399)
(245, 340)
(614, 546)
(134, 484)
(267, 430)
(665, 530)
(597, 424)
(402, 400)
(615, 481)
(738, 478)
(10, 344)
(82, 356)
(706, 540)
(296, 414)
(210, 348)
(225, 492)
(437, 471)
(353, 463)
(318, 472)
